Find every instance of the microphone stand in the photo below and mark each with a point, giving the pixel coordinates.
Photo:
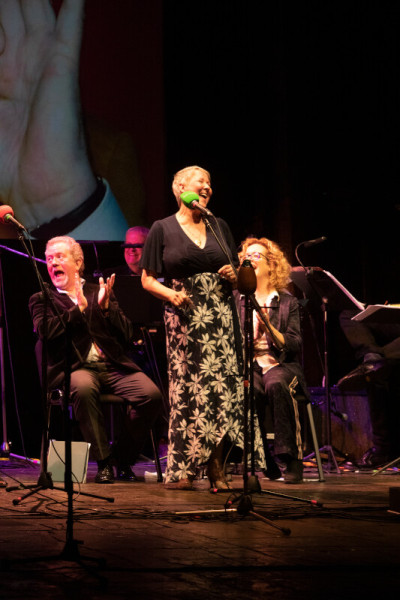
(245, 504)
(5, 446)
(250, 484)
(328, 400)
(71, 550)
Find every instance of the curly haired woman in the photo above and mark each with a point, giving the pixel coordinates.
(278, 374)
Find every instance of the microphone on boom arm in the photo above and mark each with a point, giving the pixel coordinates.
(191, 199)
(7, 216)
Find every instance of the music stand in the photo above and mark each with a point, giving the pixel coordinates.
(322, 288)
(380, 314)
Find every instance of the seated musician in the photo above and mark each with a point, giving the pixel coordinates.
(277, 372)
(100, 334)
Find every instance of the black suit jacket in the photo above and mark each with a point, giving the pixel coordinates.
(112, 331)
(285, 317)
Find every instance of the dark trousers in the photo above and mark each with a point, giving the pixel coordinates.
(277, 388)
(136, 389)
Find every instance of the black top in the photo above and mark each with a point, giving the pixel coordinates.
(170, 253)
(119, 270)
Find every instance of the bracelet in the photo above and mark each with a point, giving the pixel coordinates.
(67, 223)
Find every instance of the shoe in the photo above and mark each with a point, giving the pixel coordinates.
(105, 475)
(374, 459)
(125, 473)
(294, 471)
(216, 475)
(182, 484)
(272, 471)
(367, 372)
(219, 484)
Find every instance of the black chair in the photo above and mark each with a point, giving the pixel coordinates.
(55, 398)
(303, 401)
(110, 401)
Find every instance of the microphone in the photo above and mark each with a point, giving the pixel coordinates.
(342, 416)
(314, 242)
(7, 216)
(246, 279)
(191, 199)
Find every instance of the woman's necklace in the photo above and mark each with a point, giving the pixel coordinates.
(196, 235)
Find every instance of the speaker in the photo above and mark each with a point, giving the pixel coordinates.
(351, 435)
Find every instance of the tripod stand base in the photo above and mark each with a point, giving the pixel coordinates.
(71, 553)
(245, 507)
(45, 482)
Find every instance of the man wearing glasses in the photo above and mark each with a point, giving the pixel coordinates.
(135, 238)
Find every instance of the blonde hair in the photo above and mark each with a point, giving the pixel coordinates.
(277, 261)
(74, 247)
(184, 175)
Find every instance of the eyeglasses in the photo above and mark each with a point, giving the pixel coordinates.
(132, 246)
(254, 256)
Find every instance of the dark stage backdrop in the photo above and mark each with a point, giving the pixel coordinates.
(294, 108)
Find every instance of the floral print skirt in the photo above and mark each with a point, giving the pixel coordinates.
(206, 389)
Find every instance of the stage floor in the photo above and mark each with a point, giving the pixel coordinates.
(347, 547)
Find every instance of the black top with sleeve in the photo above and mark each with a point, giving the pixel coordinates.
(170, 253)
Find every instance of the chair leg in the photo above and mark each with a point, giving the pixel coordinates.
(112, 429)
(156, 457)
(315, 442)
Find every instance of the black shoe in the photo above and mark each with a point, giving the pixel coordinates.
(125, 473)
(368, 372)
(105, 475)
(272, 471)
(294, 471)
(374, 459)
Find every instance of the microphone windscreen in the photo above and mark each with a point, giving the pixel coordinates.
(247, 280)
(188, 197)
(5, 210)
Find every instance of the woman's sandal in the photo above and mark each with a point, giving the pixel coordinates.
(182, 484)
